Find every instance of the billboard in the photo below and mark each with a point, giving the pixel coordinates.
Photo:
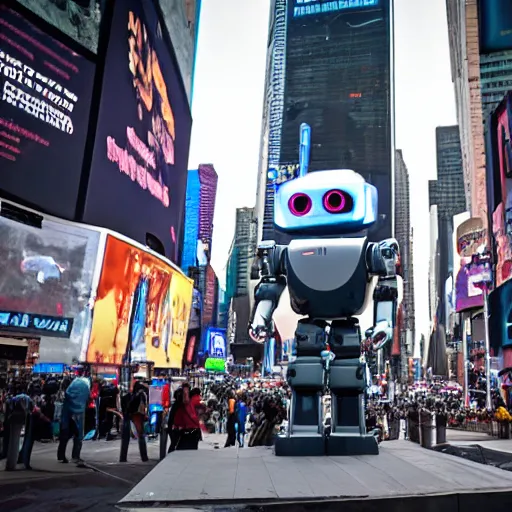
(499, 182)
(181, 17)
(139, 167)
(142, 309)
(193, 343)
(338, 79)
(46, 91)
(78, 19)
(495, 31)
(500, 325)
(46, 283)
(471, 237)
(216, 345)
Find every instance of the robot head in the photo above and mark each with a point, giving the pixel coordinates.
(325, 203)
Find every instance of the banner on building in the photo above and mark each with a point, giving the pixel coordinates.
(471, 238)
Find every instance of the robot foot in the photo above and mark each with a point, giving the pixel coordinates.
(343, 445)
(300, 446)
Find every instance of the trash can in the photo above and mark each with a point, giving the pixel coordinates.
(426, 429)
(504, 430)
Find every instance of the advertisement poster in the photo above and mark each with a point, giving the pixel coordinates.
(181, 19)
(312, 7)
(141, 310)
(193, 342)
(139, 170)
(78, 19)
(471, 238)
(47, 275)
(45, 97)
(216, 343)
(502, 215)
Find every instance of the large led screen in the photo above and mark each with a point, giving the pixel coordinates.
(495, 19)
(142, 309)
(181, 19)
(338, 79)
(47, 274)
(78, 19)
(45, 99)
(502, 180)
(139, 170)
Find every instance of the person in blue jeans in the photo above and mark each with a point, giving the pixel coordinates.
(241, 418)
(72, 421)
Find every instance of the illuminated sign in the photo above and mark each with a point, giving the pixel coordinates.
(213, 364)
(309, 7)
(216, 339)
(11, 321)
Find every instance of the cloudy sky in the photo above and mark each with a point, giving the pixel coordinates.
(228, 99)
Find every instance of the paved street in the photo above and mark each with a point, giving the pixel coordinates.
(52, 486)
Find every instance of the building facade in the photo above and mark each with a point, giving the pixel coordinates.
(481, 62)
(403, 234)
(333, 69)
(199, 212)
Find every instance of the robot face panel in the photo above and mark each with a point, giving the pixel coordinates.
(325, 202)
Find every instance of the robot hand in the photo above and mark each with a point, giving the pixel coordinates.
(379, 334)
(266, 296)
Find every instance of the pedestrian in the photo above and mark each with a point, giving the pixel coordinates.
(135, 408)
(18, 408)
(241, 418)
(76, 398)
(231, 420)
(187, 425)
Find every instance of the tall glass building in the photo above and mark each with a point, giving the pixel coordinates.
(329, 64)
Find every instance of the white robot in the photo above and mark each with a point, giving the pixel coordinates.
(332, 271)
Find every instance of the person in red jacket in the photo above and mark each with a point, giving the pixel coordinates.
(186, 420)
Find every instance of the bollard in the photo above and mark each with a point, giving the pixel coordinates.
(426, 429)
(163, 437)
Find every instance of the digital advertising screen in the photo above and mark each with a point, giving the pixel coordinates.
(495, 20)
(501, 181)
(138, 176)
(338, 80)
(78, 19)
(142, 309)
(45, 97)
(46, 284)
(471, 237)
(216, 343)
(192, 346)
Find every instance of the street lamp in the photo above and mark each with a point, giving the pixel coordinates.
(480, 272)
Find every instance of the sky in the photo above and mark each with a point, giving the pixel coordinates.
(228, 99)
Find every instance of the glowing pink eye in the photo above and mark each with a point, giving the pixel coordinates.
(335, 201)
(299, 204)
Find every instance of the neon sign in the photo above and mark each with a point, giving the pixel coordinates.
(311, 7)
(28, 323)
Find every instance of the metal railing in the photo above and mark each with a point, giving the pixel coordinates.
(481, 427)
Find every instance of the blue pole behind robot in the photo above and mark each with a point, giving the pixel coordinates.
(332, 272)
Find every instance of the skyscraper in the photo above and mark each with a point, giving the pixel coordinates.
(480, 35)
(199, 211)
(329, 65)
(446, 198)
(403, 234)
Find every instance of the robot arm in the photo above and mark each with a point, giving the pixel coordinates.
(383, 261)
(268, 268)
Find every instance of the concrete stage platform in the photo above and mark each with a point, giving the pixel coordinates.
(402, 477)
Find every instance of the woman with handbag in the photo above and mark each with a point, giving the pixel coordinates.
(186, 420)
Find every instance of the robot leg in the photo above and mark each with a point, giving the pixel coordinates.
(306, 379)
(347, 383)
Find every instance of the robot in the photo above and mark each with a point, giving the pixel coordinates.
(332, 271)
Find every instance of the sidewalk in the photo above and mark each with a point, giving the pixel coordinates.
(100, 456)
(461, 438)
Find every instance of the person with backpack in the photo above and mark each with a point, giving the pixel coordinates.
(135, 410)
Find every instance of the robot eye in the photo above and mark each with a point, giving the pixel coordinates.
(337, 201)
(299, 204)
